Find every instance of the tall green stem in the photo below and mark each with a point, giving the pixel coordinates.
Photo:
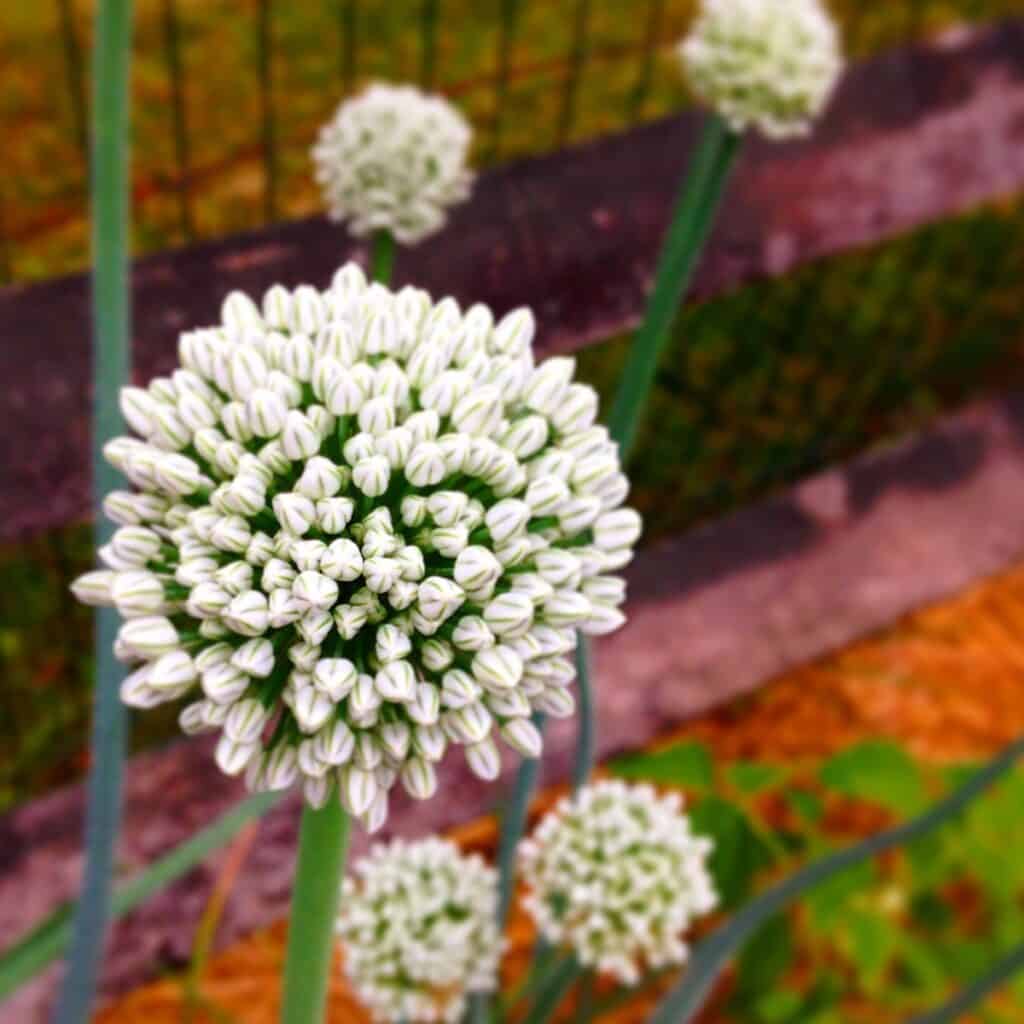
(323, 845)
(383, 257)
(586, 736)
(691, 224)
(111, 332)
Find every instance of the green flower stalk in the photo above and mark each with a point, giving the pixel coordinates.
(111, 314)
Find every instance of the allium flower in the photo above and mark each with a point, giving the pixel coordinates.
(616, 875)
(771, 64)
(365, 527)
(393, 158)
(418, 924)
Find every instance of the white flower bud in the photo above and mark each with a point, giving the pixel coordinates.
(320, 479)
(358, 790)
(280, 768)
(436, 655)
(231, 533)
(300, 439)
(315, 625)
(559, 567)
(311, 708)
(246, 721)
(177, 474)
(478, 412)
(603, 619)
(396, 681)
(335, 677)
(334, 743)
(334, 514)
(430, 742)
(137, 593)
(391, 644)
(419, 778)
(136, 545)
(254, 658)
(297, 357)
(95, 588)
(425, 709)
(546, 495)
(295, 512)
(423, 426)
(232, 758)
(173, 671)
(567, 608)
(523, 736)
(439, 597)
(377, 416)
(149, 637)
(306, 554)
(469, 724)
(578, 514)
(450, 541)
(497, 668)
(347, 392)
(617, 529)
(471, 633)
(248, 613)
(282, 608)
(507, 519)
(425, 466)
(514, 333)
(381, 574)
(372, 475)
(483, 759)
(314, 590)
(509, 615)
(349, 620)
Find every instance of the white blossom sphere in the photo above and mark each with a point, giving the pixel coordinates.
(393, 159)
(365, 528)
(616, 875)
(419, 932)
(770, 64)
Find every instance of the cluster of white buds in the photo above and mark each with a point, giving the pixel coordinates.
(419, 932)
(771, 64)
(366, 526)
(616, 875)
(393, 159)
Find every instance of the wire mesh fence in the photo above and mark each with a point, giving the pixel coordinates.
(228, 96)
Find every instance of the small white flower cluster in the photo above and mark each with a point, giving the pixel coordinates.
(616, 875)
(418, 923)
(365, 526)
(393, 159)
(767, 63)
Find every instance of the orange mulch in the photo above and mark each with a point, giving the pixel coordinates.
(948, 682)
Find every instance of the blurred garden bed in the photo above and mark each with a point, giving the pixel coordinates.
(824, 755)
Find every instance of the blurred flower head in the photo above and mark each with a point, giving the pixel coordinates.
(616, 875)
(768, 64)
(365, 527)
(393, 159)
(419, 933)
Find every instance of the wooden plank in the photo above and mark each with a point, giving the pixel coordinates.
(912, 137)
(712, 615)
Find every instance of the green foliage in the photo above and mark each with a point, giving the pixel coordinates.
(882, 940)
(739, 852)
(878, 772)
(683, 764)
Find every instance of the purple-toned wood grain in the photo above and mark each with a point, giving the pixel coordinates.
(711, 616)
(911, 137)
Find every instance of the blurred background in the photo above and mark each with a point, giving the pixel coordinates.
(771, 377)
